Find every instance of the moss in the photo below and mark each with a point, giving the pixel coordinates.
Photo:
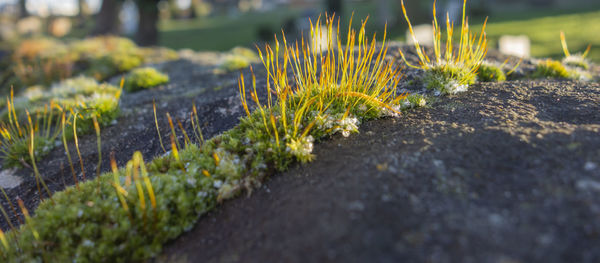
(232, 62)
(576, 61)
(44, 61)
(113, 218)
(40, 61)
(180, 198)
(551, 68)
(111, 64)
(448, 79)
(17, 153)
(237, 58)
(490, 73)
(143, 78)
(244, 52)
(158, 54)
(415, 100)
(82, 96)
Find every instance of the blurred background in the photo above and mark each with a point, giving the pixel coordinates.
(219, 25)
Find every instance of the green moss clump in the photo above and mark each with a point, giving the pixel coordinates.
(89, 224)
(44, 61)
(87, 98)
(553, 69)
(158, 54)
(576, 61)
(448, 79)
(114, 63)
(17, 153)
(143, 78)
(490, 73)
(244, 52)
(81, 97)
(237, 58)
(414, 100)
(231, 63)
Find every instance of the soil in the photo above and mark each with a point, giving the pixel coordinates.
(506, 172)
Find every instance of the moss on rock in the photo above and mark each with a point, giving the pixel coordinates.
(143, 78)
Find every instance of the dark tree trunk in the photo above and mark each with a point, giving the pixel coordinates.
(23, 9)
(147, 33)
(107, 19)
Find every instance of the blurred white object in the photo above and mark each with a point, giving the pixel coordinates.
(519, 46)
(320, 41)
(29, 25)
(423, 34)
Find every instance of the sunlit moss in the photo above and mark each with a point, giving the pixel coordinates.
(490, 73)
(42, 61)
(143, 78)
(447, 79)
(128, 214)
(237, 58)
(553, 69)
(449, 72)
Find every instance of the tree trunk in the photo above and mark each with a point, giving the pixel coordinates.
(23, 9)
(147, 33)
(193, 7)
(107, 19)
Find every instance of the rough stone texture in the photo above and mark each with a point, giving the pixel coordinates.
(506, 172)
(502, 173)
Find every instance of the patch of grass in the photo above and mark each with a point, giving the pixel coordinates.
(219, 33)
(144, 78)
(449, 72)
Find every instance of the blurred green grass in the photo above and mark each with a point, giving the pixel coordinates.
(580, 29)
(220, 33)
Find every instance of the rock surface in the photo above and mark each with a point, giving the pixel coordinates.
(502, 173)
(506, 172)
